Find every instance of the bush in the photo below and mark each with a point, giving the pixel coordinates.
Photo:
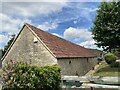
(21, 75)
(110, 58)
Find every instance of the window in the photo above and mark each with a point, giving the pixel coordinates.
(35, 40)
(69, 62)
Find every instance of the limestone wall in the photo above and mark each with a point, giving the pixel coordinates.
(76, 66)
(25, 50)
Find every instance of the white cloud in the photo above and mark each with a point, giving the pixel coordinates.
(57, 35)
(10, 10)
(11, 25)
(15, 14)
(80, 10)
(3, 39)
(88, 44)
(83, 37)
(75, 21)
(46, 26)
(77, 34)
(28, 9)
(91, 9)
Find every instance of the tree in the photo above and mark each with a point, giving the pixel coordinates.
(8, 44)
(106, 28)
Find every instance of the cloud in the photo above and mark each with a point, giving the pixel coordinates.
(3, 39)
(82, 10)
(28, 9)
(75, 21)
(57, 35)
(47, 26)
(91, 9)
(77, 34)
(88, 44)
(83, 37)
(15, 14)
(11, 25)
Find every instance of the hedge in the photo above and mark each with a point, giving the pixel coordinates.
(24, 76)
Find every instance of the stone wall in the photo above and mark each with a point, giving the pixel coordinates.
(76, 66)
(26, 50)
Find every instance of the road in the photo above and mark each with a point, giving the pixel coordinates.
(91, 78)
(87, 81)
(101, 86)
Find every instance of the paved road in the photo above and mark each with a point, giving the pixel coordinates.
(110, 79)
(101, 86)
(93, 78)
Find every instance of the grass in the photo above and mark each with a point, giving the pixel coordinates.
(105, 70)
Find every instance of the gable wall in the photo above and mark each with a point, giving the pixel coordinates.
(24, 49)
(78, 66)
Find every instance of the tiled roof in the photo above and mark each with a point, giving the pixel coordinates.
(60, 47)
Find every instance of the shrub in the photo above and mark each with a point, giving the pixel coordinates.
(21, 75)
(110, 58)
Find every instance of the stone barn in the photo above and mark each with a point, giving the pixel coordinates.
(40, 48)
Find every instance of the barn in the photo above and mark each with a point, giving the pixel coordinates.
(40, 48)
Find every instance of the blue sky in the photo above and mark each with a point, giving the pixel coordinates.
(69, 20)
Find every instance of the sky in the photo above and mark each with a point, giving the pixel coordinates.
(66, 19)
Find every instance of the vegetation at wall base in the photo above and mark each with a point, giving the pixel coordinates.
(21, 76)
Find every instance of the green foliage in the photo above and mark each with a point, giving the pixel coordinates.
(110, 58)
(106, 29)
(21, 75)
